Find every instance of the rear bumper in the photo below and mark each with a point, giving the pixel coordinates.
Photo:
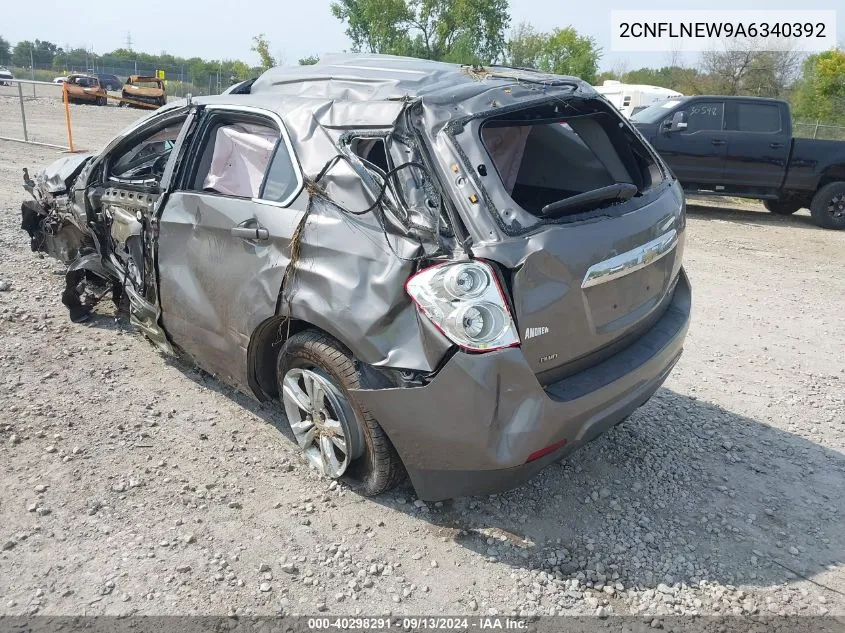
(472, 429)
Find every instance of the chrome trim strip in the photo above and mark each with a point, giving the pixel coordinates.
(630, 261)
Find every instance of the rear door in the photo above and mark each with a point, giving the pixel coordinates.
(758, 145)
(225, 233)
(696, 154)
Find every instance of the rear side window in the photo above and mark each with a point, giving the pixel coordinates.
(244, 156)
(704, 115)
(281, 181)
(235, 159)
(757, 117)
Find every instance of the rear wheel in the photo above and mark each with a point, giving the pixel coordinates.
(781, 207)
(828, 206)
(338, 437)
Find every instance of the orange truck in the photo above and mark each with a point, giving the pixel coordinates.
(145, 90)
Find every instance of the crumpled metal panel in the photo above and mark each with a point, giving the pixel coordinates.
(56, 177)
(366, 77)
(346, 282)
(215, 288)
(349, 283)
(487, 412)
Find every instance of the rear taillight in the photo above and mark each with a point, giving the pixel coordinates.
(465, 301)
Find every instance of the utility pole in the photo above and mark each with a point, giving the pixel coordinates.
(128, 40)
(32, 68)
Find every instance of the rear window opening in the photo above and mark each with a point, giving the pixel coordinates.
(559, 151)
(372, 150)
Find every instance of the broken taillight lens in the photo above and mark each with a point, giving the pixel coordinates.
(465, 301)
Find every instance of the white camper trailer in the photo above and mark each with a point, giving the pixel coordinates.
(631, 98)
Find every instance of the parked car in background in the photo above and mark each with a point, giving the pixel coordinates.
(743, 146)
(632, 98)
(108, 81)
(59, 80)
(85, 89)
(5, 76)
(145, 89)
(478, 278)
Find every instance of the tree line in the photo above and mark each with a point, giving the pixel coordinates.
(480, 32)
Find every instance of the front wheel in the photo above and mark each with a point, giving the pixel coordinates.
(828, 206)
(337, 435)
(781, 207)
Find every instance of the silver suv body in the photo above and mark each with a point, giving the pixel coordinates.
(461, 273)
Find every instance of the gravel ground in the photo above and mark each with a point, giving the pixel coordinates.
(133, 483)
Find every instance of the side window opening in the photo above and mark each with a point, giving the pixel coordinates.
(281, 181)
(704, 115)
(544, 157)
(757, 117)
(235, 158)
(146, 158)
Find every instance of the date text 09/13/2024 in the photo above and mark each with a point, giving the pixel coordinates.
(418, 623)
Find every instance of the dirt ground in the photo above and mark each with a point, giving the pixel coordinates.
(133, 483)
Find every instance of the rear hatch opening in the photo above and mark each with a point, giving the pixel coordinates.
(601, 223)
(569, 157)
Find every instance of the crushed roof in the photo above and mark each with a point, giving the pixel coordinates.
(388, 77)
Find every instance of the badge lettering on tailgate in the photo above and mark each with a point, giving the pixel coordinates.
(531, 332)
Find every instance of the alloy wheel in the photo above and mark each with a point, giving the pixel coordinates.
(836, 207)
(321, 420)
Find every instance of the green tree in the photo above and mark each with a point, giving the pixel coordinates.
(688, 81)
(743, 69)
(262, 47)
(75, 58)
(310, 60)
(820, 94)
(561, 51)
(568, 53)
(42, 53)
(525, 46)
(5, 51)
(465, 31)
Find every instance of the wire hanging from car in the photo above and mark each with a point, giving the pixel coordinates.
(375, 207)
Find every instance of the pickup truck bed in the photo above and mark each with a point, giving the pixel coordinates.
(743, 146)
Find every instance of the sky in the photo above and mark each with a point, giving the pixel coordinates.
(223, 29)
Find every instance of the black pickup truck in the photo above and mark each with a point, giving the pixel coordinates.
(743, 146)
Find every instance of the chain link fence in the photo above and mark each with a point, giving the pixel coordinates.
(818, 130)
(178, 79)
(20, 121)
(36, 113)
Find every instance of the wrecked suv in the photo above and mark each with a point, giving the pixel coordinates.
(461, 273)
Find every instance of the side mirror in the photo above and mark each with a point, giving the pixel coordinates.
(677, 123)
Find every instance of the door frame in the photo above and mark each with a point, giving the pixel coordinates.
(184, 183)
(661, 133)
(188, 169)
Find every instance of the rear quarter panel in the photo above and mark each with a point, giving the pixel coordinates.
(814, 163)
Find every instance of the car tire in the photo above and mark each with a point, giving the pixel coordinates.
(828, 206)
(781, 207)
(373, 464)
